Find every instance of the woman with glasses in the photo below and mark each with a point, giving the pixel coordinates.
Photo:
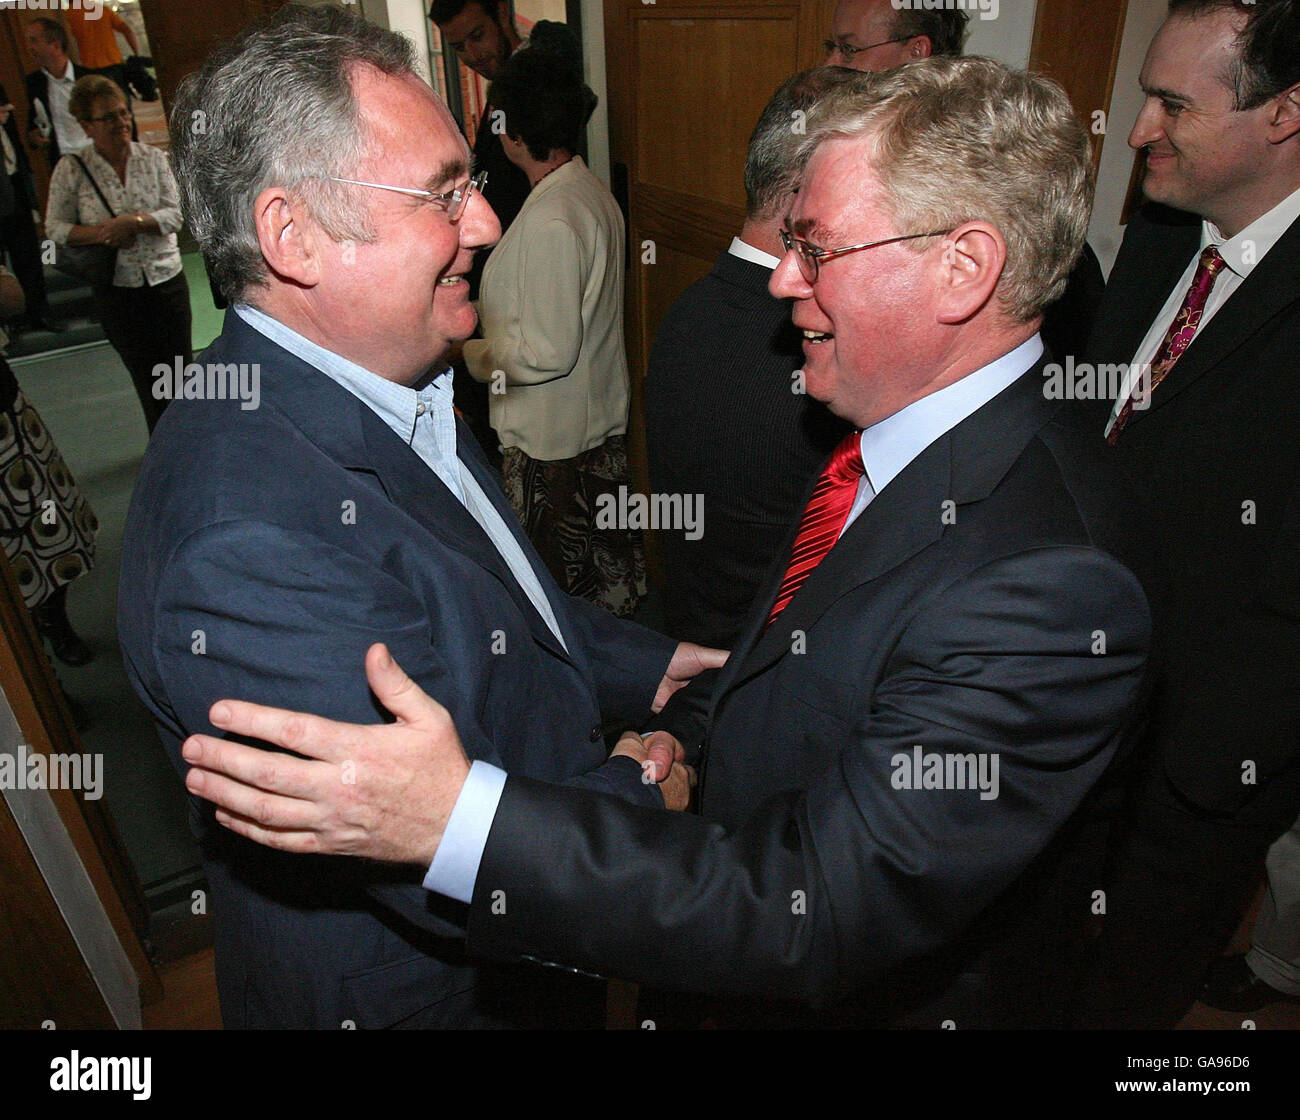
(119, 195)
(552, 355)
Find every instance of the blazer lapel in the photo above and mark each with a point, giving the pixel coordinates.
(349, 432)
(963, 465)
(1272, 287)
(489, 481)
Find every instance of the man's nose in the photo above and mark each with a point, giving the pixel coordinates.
(1147, 128)
(787, 281)
(479, 226)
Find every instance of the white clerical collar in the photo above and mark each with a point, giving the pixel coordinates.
(1243, 252)
(747, 252)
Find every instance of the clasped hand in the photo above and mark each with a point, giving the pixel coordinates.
(383, 791)
(119, 232)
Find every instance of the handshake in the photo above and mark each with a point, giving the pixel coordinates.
(384, 791)
(662, 760)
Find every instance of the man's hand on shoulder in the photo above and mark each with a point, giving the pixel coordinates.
(384, 791)
(688, 661)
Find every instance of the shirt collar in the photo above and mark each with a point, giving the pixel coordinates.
(66, 76)
(1243, 252)
(747, 252)
(398, 406)
(891, 444)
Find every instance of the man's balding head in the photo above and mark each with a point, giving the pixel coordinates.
(875, 35)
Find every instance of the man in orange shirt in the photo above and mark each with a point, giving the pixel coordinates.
(97, 41)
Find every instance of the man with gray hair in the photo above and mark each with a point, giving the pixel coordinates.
(726, 414)
(266, 549)
(939, 669)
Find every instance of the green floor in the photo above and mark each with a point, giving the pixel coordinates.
(207, 319)
(86, 400)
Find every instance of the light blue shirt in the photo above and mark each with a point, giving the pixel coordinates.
(887, 448)
(425, 420)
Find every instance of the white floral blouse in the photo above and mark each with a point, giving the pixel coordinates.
(149, 189)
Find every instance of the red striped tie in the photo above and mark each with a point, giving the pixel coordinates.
(828, 509)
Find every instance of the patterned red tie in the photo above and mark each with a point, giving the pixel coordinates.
(1180, 334)
(828, 509)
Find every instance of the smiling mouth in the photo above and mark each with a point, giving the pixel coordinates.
(817, 337)
(451, 281)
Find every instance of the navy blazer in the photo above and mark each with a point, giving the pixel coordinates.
(264, 552)
(984, 603)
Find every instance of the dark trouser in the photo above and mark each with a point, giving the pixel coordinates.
(18, 235)
(1179, 881)
(148, 326)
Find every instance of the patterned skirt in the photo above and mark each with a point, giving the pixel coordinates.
(48, 527)
(557, 503)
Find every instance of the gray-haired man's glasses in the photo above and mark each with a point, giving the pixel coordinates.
(809, 256)
(453, 201)
(848, 50)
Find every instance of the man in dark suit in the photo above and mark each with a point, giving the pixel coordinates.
(17, 226)
(49, 124)
(899, 748)
(727, 417)
(276, 532)
(1203, 311)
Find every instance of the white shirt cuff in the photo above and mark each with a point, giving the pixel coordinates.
(455, 865)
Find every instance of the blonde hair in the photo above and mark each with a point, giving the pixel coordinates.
(963, 139)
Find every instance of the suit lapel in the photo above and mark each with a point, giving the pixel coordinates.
(471, 455)
(350, 433)
(1136, 293)
(963, 465)
(1272, 287)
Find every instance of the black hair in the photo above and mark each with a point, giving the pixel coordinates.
(541, 92)
(1268, 46)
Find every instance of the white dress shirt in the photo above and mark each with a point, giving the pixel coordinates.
(67, 129)
(1240, 254)
(887, 448)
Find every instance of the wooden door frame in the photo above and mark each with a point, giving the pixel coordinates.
(46, 726)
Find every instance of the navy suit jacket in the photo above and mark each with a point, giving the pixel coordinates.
(985, 602)
(264, 552)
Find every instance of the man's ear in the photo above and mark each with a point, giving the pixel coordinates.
(969, 268)
(920, 47)
(287, 237)
(1284, 117)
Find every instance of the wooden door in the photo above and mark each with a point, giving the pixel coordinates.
(182, 32)
(1077, 42)
(687, 80)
